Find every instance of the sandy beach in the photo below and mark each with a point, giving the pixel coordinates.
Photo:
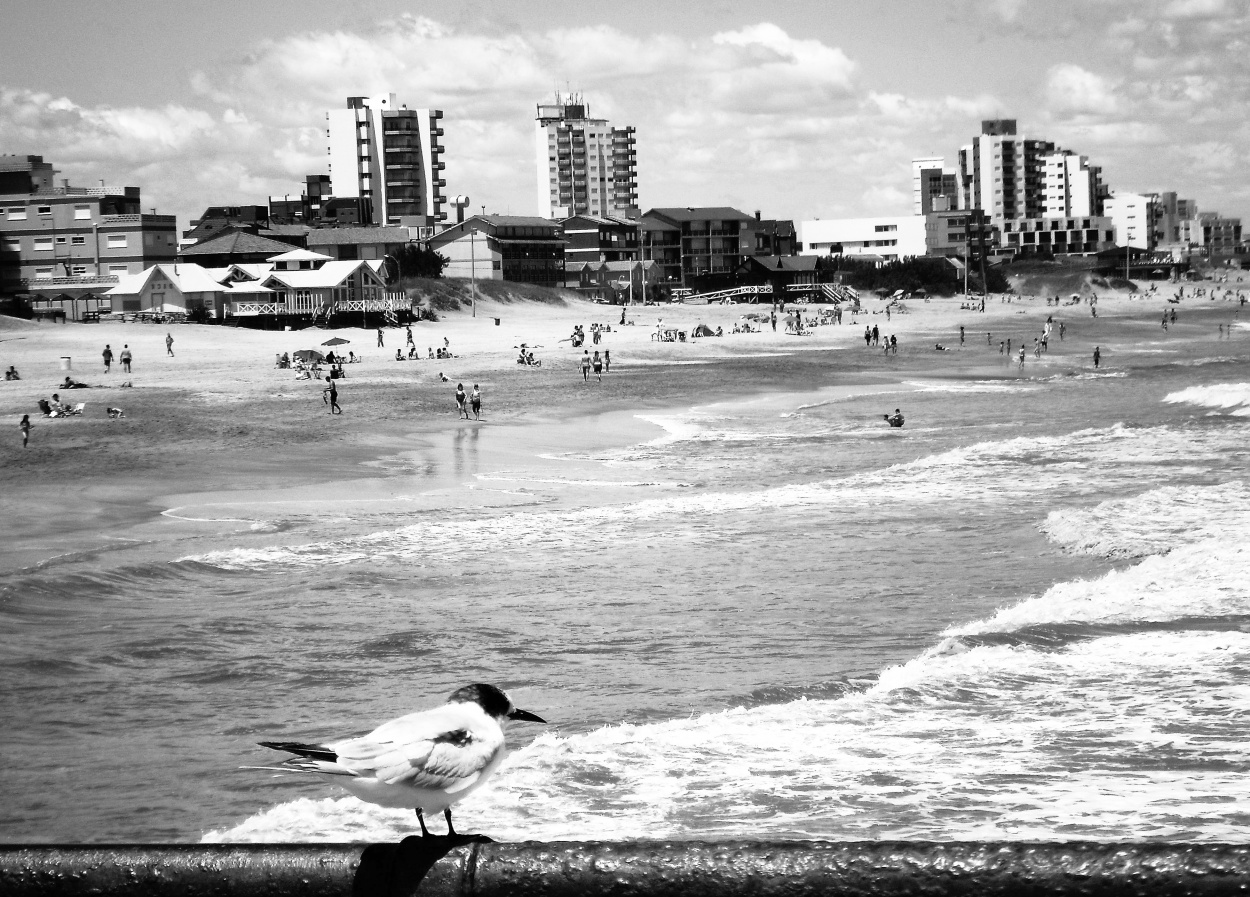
(218, 417)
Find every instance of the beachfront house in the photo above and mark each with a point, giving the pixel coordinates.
(308, 285)
(181, 288)
(516, 248)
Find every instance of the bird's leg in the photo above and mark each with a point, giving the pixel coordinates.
(447, 814)
(425, 833)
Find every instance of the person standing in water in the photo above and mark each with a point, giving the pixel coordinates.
(1097, 356)
(475, 399)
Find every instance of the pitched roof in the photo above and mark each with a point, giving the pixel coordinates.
(629, 266)
(187, 277)
(236, 243)
(331, 274)
(704, 213)
(298, 255)
(785, 262)
(344, 236)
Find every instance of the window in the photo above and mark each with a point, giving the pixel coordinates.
(12, 244)
(79, 240)
(17, 214)
(43, 244)
(118, 269)
(116, 241)
(82, 212)
(43, 274)
(78, 270)
(60, 241)
(45, 210)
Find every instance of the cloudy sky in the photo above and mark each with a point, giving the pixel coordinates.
(803, 109)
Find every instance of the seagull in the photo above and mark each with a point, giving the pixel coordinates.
(426, 760)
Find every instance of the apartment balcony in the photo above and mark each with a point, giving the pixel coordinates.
(436, 114)
(439, 166)
(441, 182)
(437, 132)
(436, 148)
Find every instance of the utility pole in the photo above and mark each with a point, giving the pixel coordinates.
(473, 267)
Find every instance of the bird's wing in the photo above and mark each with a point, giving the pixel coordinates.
(445, 748)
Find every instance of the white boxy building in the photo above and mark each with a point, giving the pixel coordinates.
(891, 238)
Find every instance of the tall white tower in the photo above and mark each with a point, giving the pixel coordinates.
(584, 165)
(391, 155)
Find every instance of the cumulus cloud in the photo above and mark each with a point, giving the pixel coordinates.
(1072, 89)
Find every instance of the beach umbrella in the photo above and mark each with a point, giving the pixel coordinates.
(336, 341)
(308, 355)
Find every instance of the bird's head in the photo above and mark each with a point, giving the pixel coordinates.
(493, 701)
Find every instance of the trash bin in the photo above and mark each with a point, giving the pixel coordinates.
(496, 322)
(67, 363)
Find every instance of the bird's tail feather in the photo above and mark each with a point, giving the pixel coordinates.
(312, 751)
(312, 758)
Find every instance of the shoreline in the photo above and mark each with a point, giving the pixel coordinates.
(225, 431)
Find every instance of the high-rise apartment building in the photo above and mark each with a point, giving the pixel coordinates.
(585, 166)
(390, 155)
(934, 186)
(1008, 176)
(1137, 219)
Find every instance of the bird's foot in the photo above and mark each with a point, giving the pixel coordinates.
(425, 832)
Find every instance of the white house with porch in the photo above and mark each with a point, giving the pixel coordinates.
(298, 283)
(168, 288)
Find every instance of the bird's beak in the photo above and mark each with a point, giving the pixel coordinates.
(525, 715)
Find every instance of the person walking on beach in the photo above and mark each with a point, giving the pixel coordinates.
(330, 395)
(410, 342)
(25, 426)
(876, 335)
(597, 364)
(126, 358)
(1000, 347)
(772, 317)
(169, 344)
(586, 365)
(607, 361)
(461, 400)
(1022, 356)
(108, 358)
(475, 399)
(1062, 328)
(867, 336)
(961, 335)
(1097, 357)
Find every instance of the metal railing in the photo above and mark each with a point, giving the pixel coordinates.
(464, 867)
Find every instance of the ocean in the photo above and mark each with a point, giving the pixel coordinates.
(1024, 615)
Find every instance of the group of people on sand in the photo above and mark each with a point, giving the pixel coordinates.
(465, 402)
(125, 358)
(874, 337)
(431, 353)
(595, 363)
